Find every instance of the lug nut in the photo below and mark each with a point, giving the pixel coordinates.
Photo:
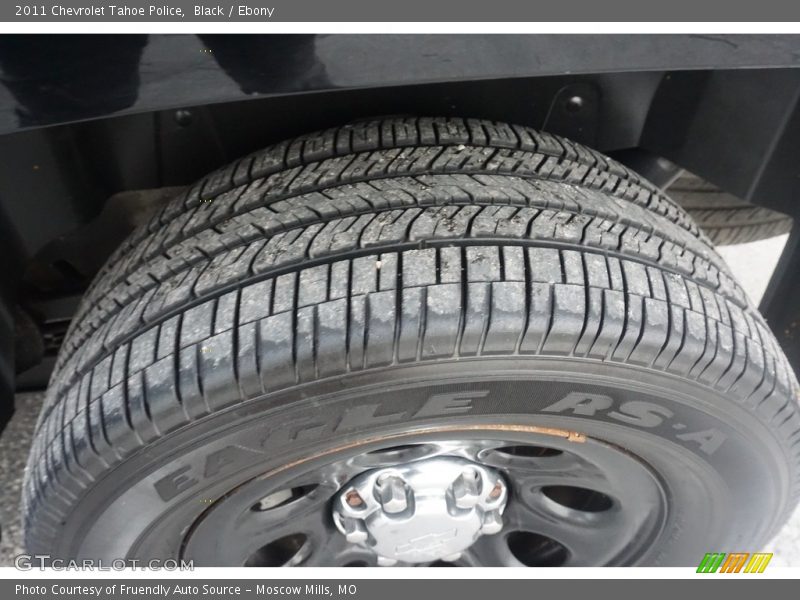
(353, 499)
(492, 523)
(497, 490)
(391, 492)
(429, 509)
(354, 531)
(466, 488)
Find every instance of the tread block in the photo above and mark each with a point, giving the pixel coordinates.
(276, 351)
(569, 313)
(442, 313)
(507, 321)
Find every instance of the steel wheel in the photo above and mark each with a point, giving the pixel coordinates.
(567, 504)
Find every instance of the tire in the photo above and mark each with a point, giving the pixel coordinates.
(401, 286)
(724, 218)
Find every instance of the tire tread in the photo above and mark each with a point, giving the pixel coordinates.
(576, 258)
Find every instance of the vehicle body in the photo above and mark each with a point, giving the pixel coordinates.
(97, 132)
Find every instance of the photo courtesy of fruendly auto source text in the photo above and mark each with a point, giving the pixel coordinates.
(509, 289)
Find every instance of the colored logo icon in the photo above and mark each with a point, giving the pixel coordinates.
(734, 562)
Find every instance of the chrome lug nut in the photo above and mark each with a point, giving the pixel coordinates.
(353, 499)
(466, 488)
(354, 531)
(492, 523)
(498, 492)
(421, 511)
(352, 504)
(392, 494)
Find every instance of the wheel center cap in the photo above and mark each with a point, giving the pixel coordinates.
(421, 511)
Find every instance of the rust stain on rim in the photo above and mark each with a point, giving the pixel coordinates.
(570, 436)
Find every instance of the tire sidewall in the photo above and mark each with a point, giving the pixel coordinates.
(723, 471)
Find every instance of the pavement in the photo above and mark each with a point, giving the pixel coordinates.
(14, 443)
(752, 263)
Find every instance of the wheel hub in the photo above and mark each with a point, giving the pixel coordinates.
(421, 511)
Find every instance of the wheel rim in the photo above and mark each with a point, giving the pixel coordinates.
(569, 504)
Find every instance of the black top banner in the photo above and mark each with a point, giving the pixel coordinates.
(473, 11)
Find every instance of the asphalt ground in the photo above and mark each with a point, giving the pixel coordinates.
(752, 263)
